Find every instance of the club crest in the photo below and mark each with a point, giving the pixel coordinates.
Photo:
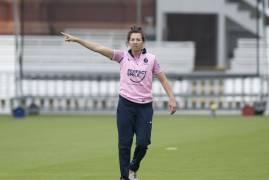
(146, 60)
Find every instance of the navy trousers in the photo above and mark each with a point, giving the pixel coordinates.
(133, 119)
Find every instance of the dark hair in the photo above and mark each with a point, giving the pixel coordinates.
(135, 29)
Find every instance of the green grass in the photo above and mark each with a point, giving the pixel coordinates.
(85, 147)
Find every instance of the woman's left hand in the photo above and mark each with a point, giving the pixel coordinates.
(172, 105)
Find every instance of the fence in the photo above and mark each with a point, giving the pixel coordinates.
(99, 93)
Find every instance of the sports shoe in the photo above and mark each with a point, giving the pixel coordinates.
(132, 175)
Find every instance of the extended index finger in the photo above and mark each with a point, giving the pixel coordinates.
(63, 33)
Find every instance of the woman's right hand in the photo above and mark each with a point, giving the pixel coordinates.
(69, 38)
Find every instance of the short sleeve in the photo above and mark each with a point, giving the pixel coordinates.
(117, 55)
(156, 67)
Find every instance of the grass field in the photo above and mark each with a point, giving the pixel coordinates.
(183, 148)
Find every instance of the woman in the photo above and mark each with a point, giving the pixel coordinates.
(134, 112)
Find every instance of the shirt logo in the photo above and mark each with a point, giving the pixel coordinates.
(146, 60)
(136, 76)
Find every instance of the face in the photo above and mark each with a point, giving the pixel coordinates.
(136, 42)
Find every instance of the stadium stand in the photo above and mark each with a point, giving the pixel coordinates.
(245, 59)
(52, 55)
(7, 53)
